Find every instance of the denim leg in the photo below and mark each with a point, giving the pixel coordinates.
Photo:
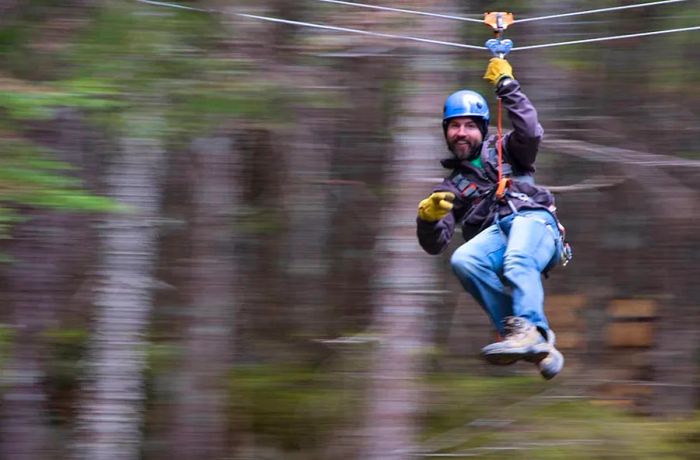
(477, 265)
(531, 248)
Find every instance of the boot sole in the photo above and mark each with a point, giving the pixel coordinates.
(532, 355)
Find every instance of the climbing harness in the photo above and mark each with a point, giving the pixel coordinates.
(500, 47)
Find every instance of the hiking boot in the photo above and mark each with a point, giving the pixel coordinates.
(551, 365)
(522, 340)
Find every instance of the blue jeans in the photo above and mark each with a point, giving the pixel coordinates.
(502, 265)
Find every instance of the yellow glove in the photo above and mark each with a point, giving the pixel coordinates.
(498, 68)
(436, 206)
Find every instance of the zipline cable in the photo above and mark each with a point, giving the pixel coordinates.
(417, 39)
(463, 18)
(319, 26)
(401, 10)
(175, 5)
(358, 31)
(600, 39)
(599, 10)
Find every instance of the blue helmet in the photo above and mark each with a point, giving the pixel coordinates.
(465, 103)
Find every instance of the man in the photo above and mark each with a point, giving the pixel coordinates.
(512, 234)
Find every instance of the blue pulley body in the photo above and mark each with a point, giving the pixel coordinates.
(499, 47)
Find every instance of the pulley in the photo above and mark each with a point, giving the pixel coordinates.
(499, 21)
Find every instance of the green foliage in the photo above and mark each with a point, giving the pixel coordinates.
(146, 56)
(29, 176)
(161, 357)
(124, 59)
(544, 428)
(64, 369)
(259, 221)
(66, 337)
(294, 407)
(458, 399)
(140, 51)
(42, 105)
(6, 338)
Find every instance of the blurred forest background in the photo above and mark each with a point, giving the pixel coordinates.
(208, 234)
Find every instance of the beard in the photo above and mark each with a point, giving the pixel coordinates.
(458, 152)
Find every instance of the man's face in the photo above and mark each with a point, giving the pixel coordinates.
(463, 137)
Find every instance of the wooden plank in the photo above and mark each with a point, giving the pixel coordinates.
(635, 334)
(563, 311)
(563, 319)
(632, 308)
(568, 340)
(565, 302)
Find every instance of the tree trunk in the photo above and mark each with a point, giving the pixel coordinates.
(406, 277)
(675, 355)
(308, 220)
(110, 420)
(39, 281)
(200, 425)
(34, 282)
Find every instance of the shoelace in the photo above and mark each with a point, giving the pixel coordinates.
(513, 327)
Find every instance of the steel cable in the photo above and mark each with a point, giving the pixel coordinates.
(401, 10)
(358, 31)
(440, 42)
(599, 10)
(600, 39)
(463, 18)
(317, 26)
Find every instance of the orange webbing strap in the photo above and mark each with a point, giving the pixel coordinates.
(503, 182)
(502, 186)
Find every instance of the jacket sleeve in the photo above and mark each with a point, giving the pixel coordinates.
(521, 144)
(434, 237)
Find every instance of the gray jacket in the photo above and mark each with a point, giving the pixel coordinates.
(475, 204)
